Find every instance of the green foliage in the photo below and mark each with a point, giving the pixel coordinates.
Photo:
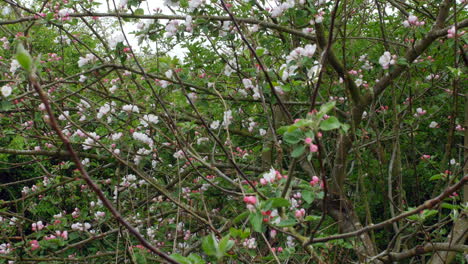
(212, 247)
(362, 140)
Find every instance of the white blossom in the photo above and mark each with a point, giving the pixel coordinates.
(131, 108)
(64, 116)
(171, 28)
(113, 89)
(386, 60)
(64, 12)
(193, 4)
(227, 118)
(103, 110)
(143, 138)
(433, 124)
(215, 124)
(247, 83)
(81, 226)
(250, 243)
(150, 118)
(116, 39)
(14, 66)
(178, 154)
(116, 136)
(6, 91)
(89, 58)
(91, 140)
(270, 176)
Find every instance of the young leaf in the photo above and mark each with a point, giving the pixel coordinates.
(308, 196)
(24, 58)
(297, 151)
(225, 244)
(330, 124)
(277, 202)
(256, 221)
(180, 258)
(293, 137)
(195, 259)
(325, 108)
(210, 245)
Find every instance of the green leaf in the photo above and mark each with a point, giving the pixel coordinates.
(276, 202)
(293, 137)
(210, 245)
(345, 127)
(330, 124)
(437, 177)
(256, 220)
(414, 217)
(5, 105)
(312, 218)
(402, 61)
(245, 233)
(180, 258)
(195, 259)
(450, 206)
(139, 258)
(225, 244)
(287, 222)
(24, 58)
(139, 12)
(240, 217)
(320, 195)
(429, 213)
(235, 232)
(325, 108)
(455, 71)
(308, 196)
(297, 151)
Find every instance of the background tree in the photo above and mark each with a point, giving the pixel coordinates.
(286, 132)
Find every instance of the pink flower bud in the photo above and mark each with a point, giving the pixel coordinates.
(299, 213)
(313, 148)
(250, 200)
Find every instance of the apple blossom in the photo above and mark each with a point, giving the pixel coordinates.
(6, 91)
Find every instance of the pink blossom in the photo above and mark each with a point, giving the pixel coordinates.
(420, 111)
(459, 128)
(313, 148)
(250, 200)
(273, 233)
(308, 140)
(37, 226)
(314, 180)
(278, 175)
(300, 213)
(63, 234)
(34, 244)
(425, 157)
(451, 32)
